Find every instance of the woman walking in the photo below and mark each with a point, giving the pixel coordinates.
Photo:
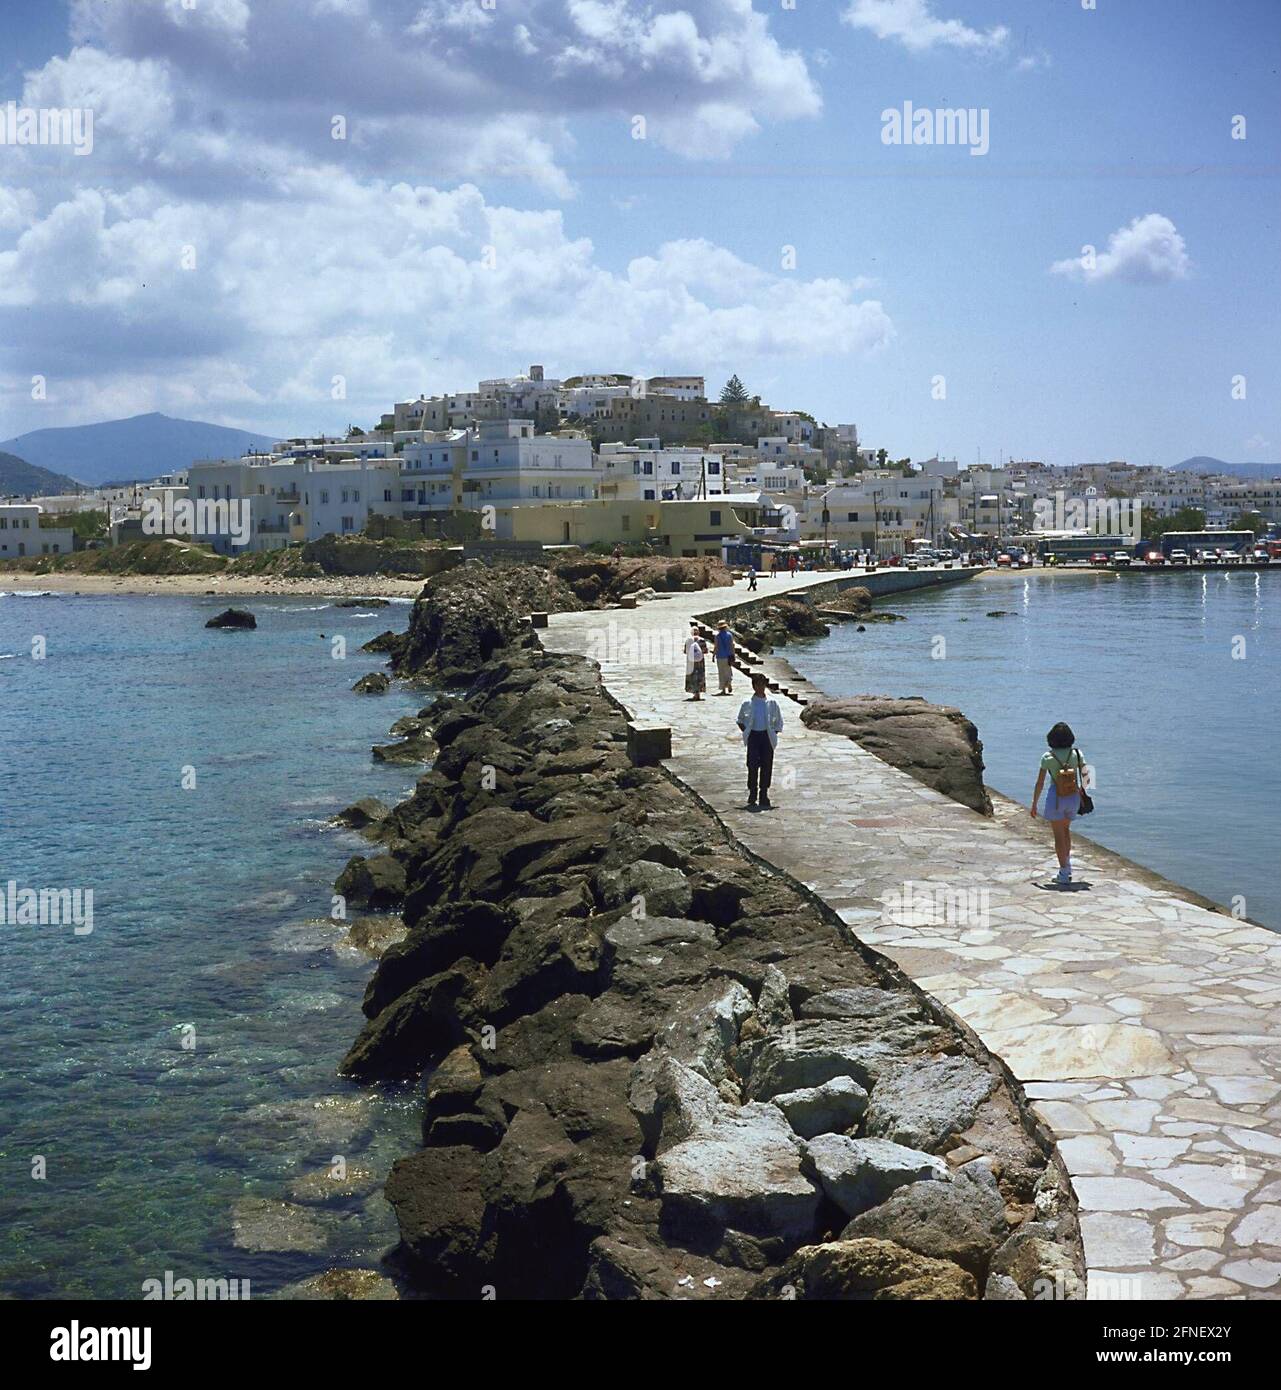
(1065, 768)
(695, 666)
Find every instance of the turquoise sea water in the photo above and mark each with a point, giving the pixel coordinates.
(1169, 680)
(209, 929)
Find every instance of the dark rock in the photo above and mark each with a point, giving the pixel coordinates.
(377, 882)
(445, 1230)
(933, 743)
(424, 1022)
(235, 618)
(375, 683)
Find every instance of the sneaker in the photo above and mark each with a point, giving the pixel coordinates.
(1064, 878)
(766, 804)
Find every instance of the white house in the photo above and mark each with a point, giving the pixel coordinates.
(644, 471)
(278, 501)
(22, 536)
(508, 465)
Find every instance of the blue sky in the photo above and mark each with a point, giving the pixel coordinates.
(358, 266)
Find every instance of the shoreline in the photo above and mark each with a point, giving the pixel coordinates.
(210, 585)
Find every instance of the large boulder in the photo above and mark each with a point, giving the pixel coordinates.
(832, 1108)
(423, 1023)
(936, 744)
(859, 1270)
(813, 1052)
(962, 1221)
(924, 1103)
(860, 1173)
(445, 1230)
(375, 883)
(744, 1174)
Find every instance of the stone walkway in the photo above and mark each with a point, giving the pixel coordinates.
(1144, 1028)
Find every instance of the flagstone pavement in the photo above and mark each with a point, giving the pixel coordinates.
(1144, 1027)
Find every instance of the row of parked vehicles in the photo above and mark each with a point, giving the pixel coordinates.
(1123, 559)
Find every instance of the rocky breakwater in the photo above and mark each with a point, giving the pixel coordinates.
(651, 1069)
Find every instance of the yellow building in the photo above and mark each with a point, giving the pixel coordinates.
(686, 528)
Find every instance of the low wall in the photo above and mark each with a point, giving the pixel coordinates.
(879, 584)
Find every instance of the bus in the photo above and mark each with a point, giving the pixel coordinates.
(1079, 546)
(1240, 542)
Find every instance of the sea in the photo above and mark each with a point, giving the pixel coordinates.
(169, 1101)
(1170, 681)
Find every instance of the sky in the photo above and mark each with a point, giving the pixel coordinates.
(295, 212)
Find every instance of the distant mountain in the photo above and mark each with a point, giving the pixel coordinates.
(1202, 464)
(22, 479)
(140, 447)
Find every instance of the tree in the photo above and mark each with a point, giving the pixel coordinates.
(881, 456)
(1250, 521)
(734, 392)
(1185, 519)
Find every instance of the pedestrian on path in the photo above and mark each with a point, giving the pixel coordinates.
(751, 578)
(695, 665)
(725, 658)
(1065, 768)
(760, 721)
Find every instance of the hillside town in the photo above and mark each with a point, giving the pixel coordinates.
(611, 460)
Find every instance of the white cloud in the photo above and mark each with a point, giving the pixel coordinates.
(1150, 251)
(288, 293)
(914, 24)
(17, 208)
(433, 77)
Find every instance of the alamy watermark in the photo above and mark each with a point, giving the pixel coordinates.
(47, 125)
(936, 905)
(47, 907)
(627, 644)
(940, 126)
(1104, 516)
(203, 516)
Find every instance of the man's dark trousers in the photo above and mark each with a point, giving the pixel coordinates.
(760, 763)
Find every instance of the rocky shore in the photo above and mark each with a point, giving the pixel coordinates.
(651, 1068)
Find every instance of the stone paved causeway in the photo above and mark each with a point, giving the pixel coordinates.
(1144, 1028)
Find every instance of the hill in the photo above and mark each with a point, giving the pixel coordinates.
(142, 446)
(1202, 464)
(22, 479)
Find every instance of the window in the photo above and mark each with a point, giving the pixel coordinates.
(627, 521)
(676, 468)
(348, 523)
(851, 516)
(715, 518)
(355, 496)
(200, 491)
(386, 494)
(648, 468)
(649, 494)
(713, 468)
(324, 497)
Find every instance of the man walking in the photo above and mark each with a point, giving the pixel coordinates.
(760, 721)
(751, 578)
(725, 657)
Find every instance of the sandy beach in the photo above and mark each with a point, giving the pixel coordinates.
(232, 586)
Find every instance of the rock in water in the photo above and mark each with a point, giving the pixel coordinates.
(375, 683)
(234, 618)
(933, 743)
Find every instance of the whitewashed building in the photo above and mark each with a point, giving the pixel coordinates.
(22, 536)
(644, 471)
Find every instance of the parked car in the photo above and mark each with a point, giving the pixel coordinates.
(1179, 557)
(1229, 557)
(1100, 557)
(1121, 559)
(1260, 556)
(1154, 557)
(1004, 560)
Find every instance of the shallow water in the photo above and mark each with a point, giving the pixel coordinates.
(1169, 681)
(181, 1056)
